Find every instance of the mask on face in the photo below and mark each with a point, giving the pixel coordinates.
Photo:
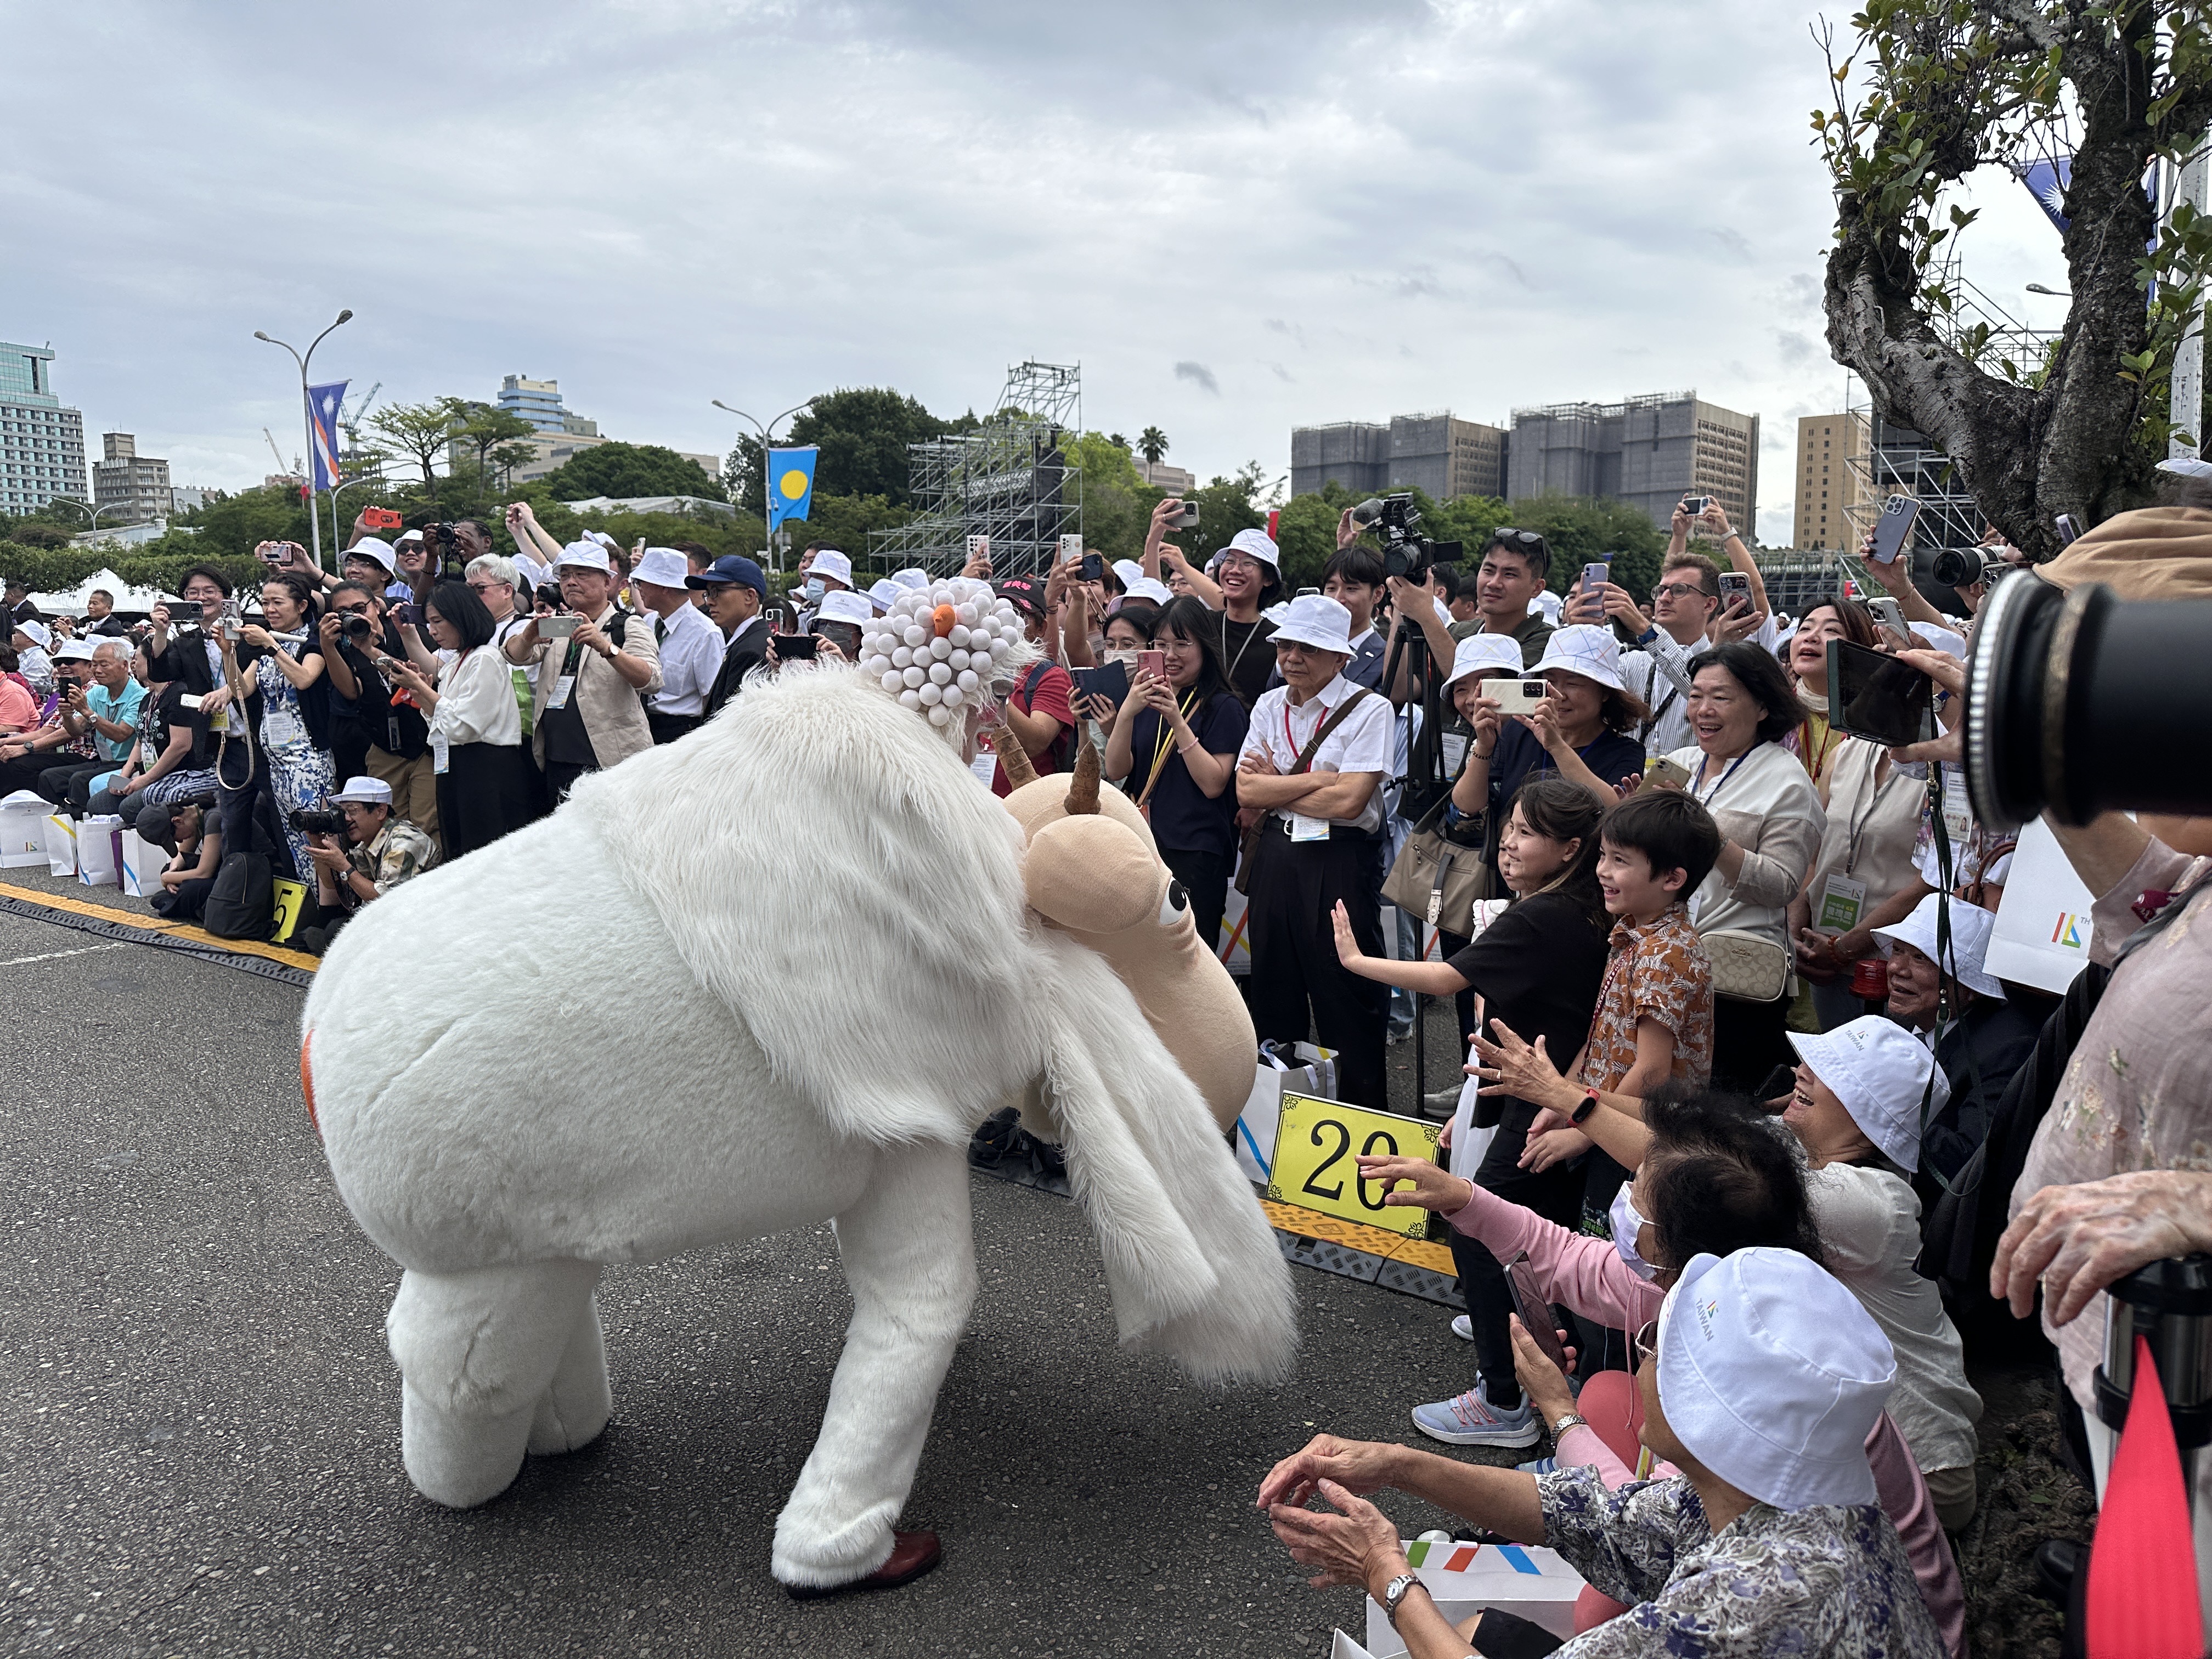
(814, 590)
(1625, 1225)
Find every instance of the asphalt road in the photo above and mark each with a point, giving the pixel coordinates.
(199, 1447)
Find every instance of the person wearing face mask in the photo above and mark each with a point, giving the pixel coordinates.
(1713, 1178)
(831, 572)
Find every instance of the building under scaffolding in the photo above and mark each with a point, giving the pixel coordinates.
(1008, 479)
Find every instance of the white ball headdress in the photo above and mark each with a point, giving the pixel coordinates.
(940, 649)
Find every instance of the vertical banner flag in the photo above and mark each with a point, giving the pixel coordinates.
(2047, 181)
(790, 483)
(323, 402)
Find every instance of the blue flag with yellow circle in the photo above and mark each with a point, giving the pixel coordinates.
(790, 483)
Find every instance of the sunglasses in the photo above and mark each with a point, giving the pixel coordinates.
(1647, 1342)
(1526, 537)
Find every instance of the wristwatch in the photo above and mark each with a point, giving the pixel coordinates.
(1588, 1105)
(1393, 1594)
(1568, 1420)
(1647, 636)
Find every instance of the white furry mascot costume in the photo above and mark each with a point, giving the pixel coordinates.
(965, 953)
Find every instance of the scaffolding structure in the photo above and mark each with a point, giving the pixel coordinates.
(1010, 479)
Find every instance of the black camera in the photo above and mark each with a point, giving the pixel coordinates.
(310, 821)
(2074, 698)
(1405, 551)
(359, 627)
(1962, 566)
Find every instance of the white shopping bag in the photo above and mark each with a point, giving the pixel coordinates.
(1315, 1075)
(1463, 1579)
(2042, 935)
(100, 850)
(142, 864)
(22, 839)
(57, 835)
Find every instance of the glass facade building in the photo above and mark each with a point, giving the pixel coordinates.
(537, 402)
(41, 443)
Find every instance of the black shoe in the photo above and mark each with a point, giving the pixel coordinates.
(2056, 1561)
(313, 940)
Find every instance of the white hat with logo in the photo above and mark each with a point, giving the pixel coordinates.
(1592, 653)
(664, 567)
(1970, 927)
(1480, 651)
(1317, 620)
(1881, 1073)
(585, 555)
(1771, 1375)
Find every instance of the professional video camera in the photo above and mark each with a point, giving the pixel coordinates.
(2074, 700)
(310, 821)
(1962, 566)
(1392, 518)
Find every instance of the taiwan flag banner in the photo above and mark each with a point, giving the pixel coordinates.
(790, 483)
(323, 402)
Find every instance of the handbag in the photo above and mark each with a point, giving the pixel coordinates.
(1435, 877)
(1745, 966)
(1248, 851)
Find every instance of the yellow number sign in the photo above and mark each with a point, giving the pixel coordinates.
(1316, 1142)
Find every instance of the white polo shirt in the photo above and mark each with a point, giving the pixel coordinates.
(1361, 744)
(691, 658)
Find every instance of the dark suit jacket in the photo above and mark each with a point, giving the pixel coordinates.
(743, 653)
(1992, 1040)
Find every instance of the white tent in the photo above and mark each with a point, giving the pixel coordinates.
(688, 504)
(128, 600)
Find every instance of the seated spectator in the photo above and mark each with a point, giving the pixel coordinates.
(1537, 966)
(189, 830)
(170, 759)
(486, 784)
(106, 712)
(1515, 566)
(735, 591)
(1760, 1381)
(1986, 1042)
(379, 853)
(31, 639)
(19, 704)
(690, 646)
(1316, 844)
(1039, 710)
(100, 618)
(1741, 706)
(26, 756)
(1176, 742)
(588, 715)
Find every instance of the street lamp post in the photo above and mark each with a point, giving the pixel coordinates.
(767, 438)
(308, 419)
(92, 524)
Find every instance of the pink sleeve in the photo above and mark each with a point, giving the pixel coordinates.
(2159, 867)
(1904, 1498)
(1587, 1275)
(1581, 1445)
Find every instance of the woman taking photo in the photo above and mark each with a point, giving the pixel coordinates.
(1540, 962)
(1176, 740)
(295, 722)
(1741, 706)
(1816, 742)
(484, 773)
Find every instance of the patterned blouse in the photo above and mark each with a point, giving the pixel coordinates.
(399, 850)
(1826, 1580)
(1658, 971)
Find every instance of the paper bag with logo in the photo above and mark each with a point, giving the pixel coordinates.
(142, 863)
(99, 850)
(22, 841)
(58, 834)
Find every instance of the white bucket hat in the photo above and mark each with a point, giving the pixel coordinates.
(912, 576)
(1480, 651)
(883, 595)
(845, 606)
(365, 791)
(586, 555)
(1127, 571)
(1144, 587)
(1593, 653)
(1258, 545)
(74, 651)
(832, 565)
(1549, 603)
(1317, 620)
(37, 632)
(1881, 1073)
(374, 548)
(664, 567)
(1970, 927)
(1773, 1374)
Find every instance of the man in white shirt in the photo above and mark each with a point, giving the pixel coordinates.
(690, 644)
(1318, 850)
(1684, 603)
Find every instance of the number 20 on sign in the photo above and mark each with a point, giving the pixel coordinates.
(1315, 1144)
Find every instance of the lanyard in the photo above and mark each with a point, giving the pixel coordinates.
(1185, 707)
(1241, 650)
(1289, 743)
(1699, 781)
(1859, 823)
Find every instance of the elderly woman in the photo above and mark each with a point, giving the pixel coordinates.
(1741, 706)
(1312, 766)
(1584, 729)
(1760, 1380)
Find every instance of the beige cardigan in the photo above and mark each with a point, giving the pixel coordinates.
(614, 716)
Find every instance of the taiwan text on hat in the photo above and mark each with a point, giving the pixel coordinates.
(1317, 620)
(365, 792)
(1480, 651)
(37, 632)
(376, 550)
(1881, 1073)
(1258, 545)
(731, 569)
(664, 567)
(1592, 653)
(844, 606)
(1771, 1375)
(586, 555)
(831, 566)
(1970, 927)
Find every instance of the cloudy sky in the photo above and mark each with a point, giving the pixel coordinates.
(1237, 218)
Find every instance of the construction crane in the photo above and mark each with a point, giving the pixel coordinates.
(361, 409)
(291, 469)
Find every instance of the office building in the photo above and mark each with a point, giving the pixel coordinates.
(1830, 480)
(1648, 451)
(136, 485)
(41, 443)
(538, 402)
(1437, 453)
(183, 498)
(1175, 480)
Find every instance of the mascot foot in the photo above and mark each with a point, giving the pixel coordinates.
(913, 1553)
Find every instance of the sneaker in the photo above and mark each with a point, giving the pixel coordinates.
(1463, 1329)
(1471, 1420)
(1541, 1466)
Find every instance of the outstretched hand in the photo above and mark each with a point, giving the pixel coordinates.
(1356, 1545)
(1358, 1466)
(1434, 1188)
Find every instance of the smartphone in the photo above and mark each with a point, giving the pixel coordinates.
(1890, 614)
(188, 701)
(379, 518)
(1735, 585)
(270, 553)
(796, 647)
(1094, 568)
(1535, 1312)
(1660, 769)
(557, 628)
(1894, 527)
(2068, 532)
(1071, 547)
(1693, 505)
(979, 545)
(1154, 663)
(1877, 696)
(1186, 519)
(1516, 696)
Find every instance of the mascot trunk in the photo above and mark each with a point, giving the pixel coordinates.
(818, 1052)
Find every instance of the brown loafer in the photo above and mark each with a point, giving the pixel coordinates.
(913, 1553)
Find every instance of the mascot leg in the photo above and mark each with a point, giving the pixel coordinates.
(909, 1256)
(478, 1353)
(576, 1406)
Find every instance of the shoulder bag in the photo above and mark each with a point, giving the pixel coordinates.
(1438, 878)
(1249, 850)
(1745, 966)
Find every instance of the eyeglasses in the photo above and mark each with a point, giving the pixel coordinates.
(1647, 1341)
(1680, 590)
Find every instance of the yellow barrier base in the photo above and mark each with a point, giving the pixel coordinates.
(152, 923)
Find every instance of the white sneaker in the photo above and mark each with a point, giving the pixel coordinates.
(1463, 1329)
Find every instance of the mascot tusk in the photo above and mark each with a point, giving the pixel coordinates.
(1082, 793)
(1013, 756)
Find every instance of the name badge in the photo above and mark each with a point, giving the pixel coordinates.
(1842, 902)
(1455, 753)
(985, 766)
(562, 687)
(440, 751)
(1305, 829)
(1958, 813)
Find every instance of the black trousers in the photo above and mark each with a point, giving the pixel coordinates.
(1556, 1194)
(667, 728)
(70, 784)
(1297, 982)
(1205, 877)
(560, 778)
(1750, 1039)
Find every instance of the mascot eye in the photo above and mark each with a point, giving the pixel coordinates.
(1174, 904)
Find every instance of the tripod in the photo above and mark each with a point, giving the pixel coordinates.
(1420, 787)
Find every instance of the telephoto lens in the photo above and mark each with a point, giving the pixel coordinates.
(2082, 702)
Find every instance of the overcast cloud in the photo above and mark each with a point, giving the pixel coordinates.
(1237, 218)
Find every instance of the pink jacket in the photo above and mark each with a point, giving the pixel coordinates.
(1588, 1276)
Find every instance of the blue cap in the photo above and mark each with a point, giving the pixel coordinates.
(731, 568)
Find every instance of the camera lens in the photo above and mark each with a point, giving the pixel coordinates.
(2072, 701)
